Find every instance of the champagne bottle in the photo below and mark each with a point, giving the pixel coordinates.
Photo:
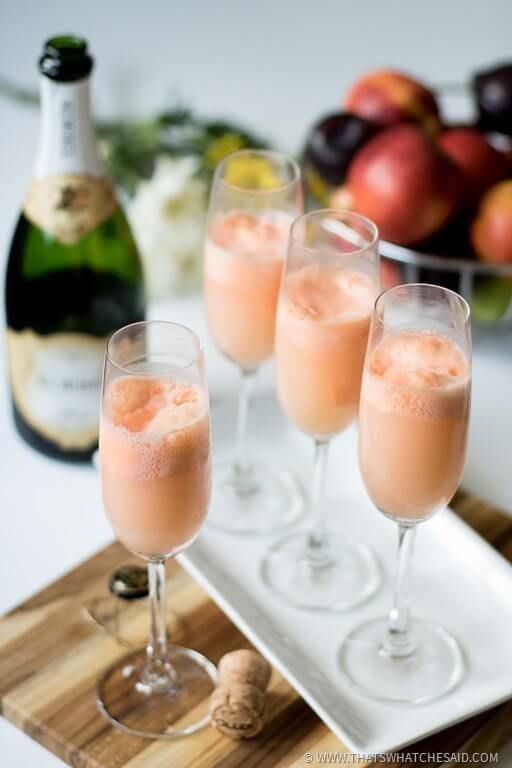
(74, 274)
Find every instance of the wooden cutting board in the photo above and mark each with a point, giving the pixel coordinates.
(50, 658)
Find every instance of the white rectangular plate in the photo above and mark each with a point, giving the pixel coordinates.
(457, 579)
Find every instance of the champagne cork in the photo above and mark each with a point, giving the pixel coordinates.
(237, 704)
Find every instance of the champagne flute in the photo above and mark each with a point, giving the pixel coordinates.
(413, 426)
(328, 290)
(155, 472)
(255, 196)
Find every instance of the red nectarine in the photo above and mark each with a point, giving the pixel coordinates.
(388, 97)
(491, 230)
(405, 184)
(481, 165)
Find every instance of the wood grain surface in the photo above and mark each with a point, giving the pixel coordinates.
(51, 657)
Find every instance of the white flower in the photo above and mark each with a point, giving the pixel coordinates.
(167, 214)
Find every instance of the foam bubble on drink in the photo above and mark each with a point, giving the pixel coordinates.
(419, 373)
(153, 427)
(263, 235)
(326, 293)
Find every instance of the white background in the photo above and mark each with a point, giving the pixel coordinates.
(275, 65)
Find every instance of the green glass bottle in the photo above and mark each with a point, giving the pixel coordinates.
(74, 274)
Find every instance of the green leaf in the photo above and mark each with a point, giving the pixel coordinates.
(18, 93)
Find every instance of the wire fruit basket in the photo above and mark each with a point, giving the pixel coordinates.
(486, 287)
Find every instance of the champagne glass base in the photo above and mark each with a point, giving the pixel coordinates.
(349, 575)
(257, 501)
(432, 669)
(171, 711)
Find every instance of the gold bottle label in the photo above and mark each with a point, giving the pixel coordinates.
(67, 206)
(56, 384)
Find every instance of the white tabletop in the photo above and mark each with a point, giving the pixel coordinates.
(275, 66)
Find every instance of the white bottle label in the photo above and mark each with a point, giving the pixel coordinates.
(67, 140)
(56, 384)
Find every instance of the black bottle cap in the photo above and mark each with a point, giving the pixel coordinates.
(65, 59)
(130, 582)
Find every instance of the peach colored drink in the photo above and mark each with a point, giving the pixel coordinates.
(243, 263)
(322, 329)
(155, 453)
(413, 423)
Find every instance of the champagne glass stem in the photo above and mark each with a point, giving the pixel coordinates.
(244, 398)
(398, 640)
(317, 546)
(158, 670)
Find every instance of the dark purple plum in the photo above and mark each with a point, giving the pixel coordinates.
(333, 142)
(493, 94)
